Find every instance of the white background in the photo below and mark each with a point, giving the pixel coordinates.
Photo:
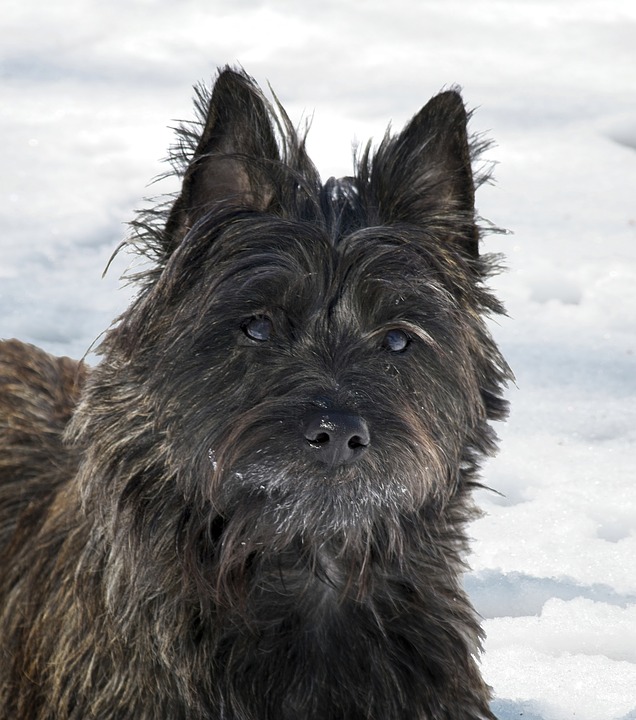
(87, 92)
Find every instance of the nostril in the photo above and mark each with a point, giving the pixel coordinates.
(359, 435)
(356, 442)
(320, 439)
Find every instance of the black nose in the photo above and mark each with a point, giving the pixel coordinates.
(336, 438)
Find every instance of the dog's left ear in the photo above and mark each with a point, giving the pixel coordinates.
(424, 176)
(233, 154)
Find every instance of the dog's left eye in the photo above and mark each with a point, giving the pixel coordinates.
(258, 328)
(396, 341)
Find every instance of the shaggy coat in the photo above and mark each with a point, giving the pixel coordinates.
(253, 508)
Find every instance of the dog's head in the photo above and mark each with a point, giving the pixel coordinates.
(310, 358)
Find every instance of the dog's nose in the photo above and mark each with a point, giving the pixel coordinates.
(336, 438)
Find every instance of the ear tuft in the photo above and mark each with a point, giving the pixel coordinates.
(232, 156)
(424, 176)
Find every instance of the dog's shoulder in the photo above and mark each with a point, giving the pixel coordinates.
(38, 393)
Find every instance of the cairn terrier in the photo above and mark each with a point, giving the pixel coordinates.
(254, 507)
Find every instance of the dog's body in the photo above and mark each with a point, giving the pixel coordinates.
(257, 510)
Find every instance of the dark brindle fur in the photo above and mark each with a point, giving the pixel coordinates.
(254, 507)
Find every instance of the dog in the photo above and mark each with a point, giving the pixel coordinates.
(254, 506)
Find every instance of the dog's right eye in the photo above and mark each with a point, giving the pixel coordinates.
(396, 341)
(258, 328)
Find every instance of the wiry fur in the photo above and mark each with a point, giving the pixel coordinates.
(184, 553)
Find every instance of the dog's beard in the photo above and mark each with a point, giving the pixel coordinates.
(284, 522)
(292, 494)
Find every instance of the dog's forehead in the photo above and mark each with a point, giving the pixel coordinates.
(323, 244)
(373, 275)
(265, 263)
(302, 255)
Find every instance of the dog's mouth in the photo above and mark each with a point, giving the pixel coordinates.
(303, 491)
(269, 474)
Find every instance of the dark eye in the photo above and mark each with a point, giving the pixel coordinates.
(396, 341)
(258, 328)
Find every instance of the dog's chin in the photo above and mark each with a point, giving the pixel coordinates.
(312, 495)
(303, 481)
(271, 475)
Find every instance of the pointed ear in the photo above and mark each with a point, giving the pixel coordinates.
(230, 161)
(424, 174)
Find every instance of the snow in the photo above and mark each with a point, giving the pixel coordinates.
(88, 92)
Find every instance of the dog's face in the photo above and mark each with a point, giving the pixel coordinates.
(316, 355)
(334, 378)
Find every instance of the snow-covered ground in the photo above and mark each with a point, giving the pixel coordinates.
(88, 90)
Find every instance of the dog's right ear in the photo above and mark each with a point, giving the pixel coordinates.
(233, 157)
